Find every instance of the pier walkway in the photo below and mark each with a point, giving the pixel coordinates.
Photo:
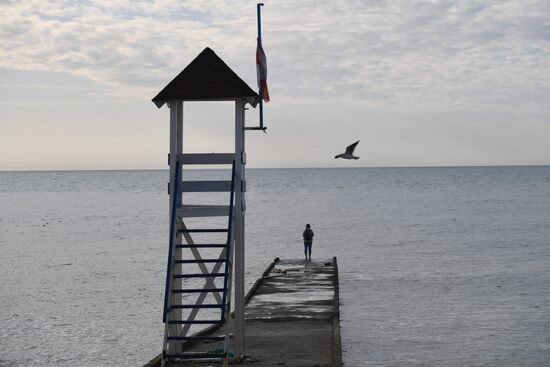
(291, 316)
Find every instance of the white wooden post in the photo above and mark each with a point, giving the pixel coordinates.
(179, 150)
(176, 146)
(239, 226)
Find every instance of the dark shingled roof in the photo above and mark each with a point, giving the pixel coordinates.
(206, 78)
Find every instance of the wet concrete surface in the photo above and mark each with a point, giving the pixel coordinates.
(292, 320)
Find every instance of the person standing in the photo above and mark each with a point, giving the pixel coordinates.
(308, 241)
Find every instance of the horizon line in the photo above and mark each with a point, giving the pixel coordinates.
(262, 168)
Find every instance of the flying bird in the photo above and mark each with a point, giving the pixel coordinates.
(349, 152)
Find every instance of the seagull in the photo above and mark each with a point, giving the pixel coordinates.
(349, 152)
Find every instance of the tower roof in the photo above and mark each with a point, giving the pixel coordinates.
(206, 78)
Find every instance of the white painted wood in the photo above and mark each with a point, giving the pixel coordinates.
(239, 267)
(206, 158)
(177, 314)
(236, 257)
(198, 211)
(206, 186)
(173, 153)
(176, 127)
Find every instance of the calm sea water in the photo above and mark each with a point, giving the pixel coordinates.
(438, 266)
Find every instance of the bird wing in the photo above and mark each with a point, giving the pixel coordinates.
(351, 148)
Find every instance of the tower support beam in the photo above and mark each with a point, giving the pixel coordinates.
(240, 208)
(176, 147)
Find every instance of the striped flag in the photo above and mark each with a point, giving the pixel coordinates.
(261, 70)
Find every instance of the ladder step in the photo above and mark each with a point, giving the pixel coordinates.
(199, 275)
(203, 245)
(195, 355)
(186, 322)
(205, 186)
(208, 305)
(196, 338)
(202, 261)
(203, 230)
(191, 211)
(206, 158)
(198, 290)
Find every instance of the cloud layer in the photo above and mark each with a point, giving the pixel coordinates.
(404, 55)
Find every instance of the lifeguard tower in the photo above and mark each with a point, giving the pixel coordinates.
(199, 273)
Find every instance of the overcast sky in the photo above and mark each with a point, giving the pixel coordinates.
(420, 83)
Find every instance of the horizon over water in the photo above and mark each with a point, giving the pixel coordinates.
(280, 168)
(438, 266)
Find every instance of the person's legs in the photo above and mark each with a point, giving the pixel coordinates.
(307, 249)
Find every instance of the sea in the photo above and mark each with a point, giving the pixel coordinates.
(443, 266)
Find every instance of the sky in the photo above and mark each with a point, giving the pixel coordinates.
(419, 83)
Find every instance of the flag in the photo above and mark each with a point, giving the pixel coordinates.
(261, 70)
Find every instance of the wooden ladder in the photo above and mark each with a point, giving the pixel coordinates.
(188, 275)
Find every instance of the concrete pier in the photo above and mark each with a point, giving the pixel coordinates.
(291, 316)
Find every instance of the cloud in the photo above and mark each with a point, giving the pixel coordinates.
(404, 55)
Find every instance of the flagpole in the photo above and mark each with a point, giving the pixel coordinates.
(260, 92)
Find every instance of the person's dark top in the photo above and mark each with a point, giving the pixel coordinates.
(308, 234)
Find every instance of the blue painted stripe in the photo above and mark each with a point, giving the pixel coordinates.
(199, 261)
(199, 275)
(214, 305)
(229, 234)
(196, 338)
(185, 322)
(195, 355)
(198, 290)
(203, 230)
(203, 245)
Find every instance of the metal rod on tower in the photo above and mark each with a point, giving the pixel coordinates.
(260, 92)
